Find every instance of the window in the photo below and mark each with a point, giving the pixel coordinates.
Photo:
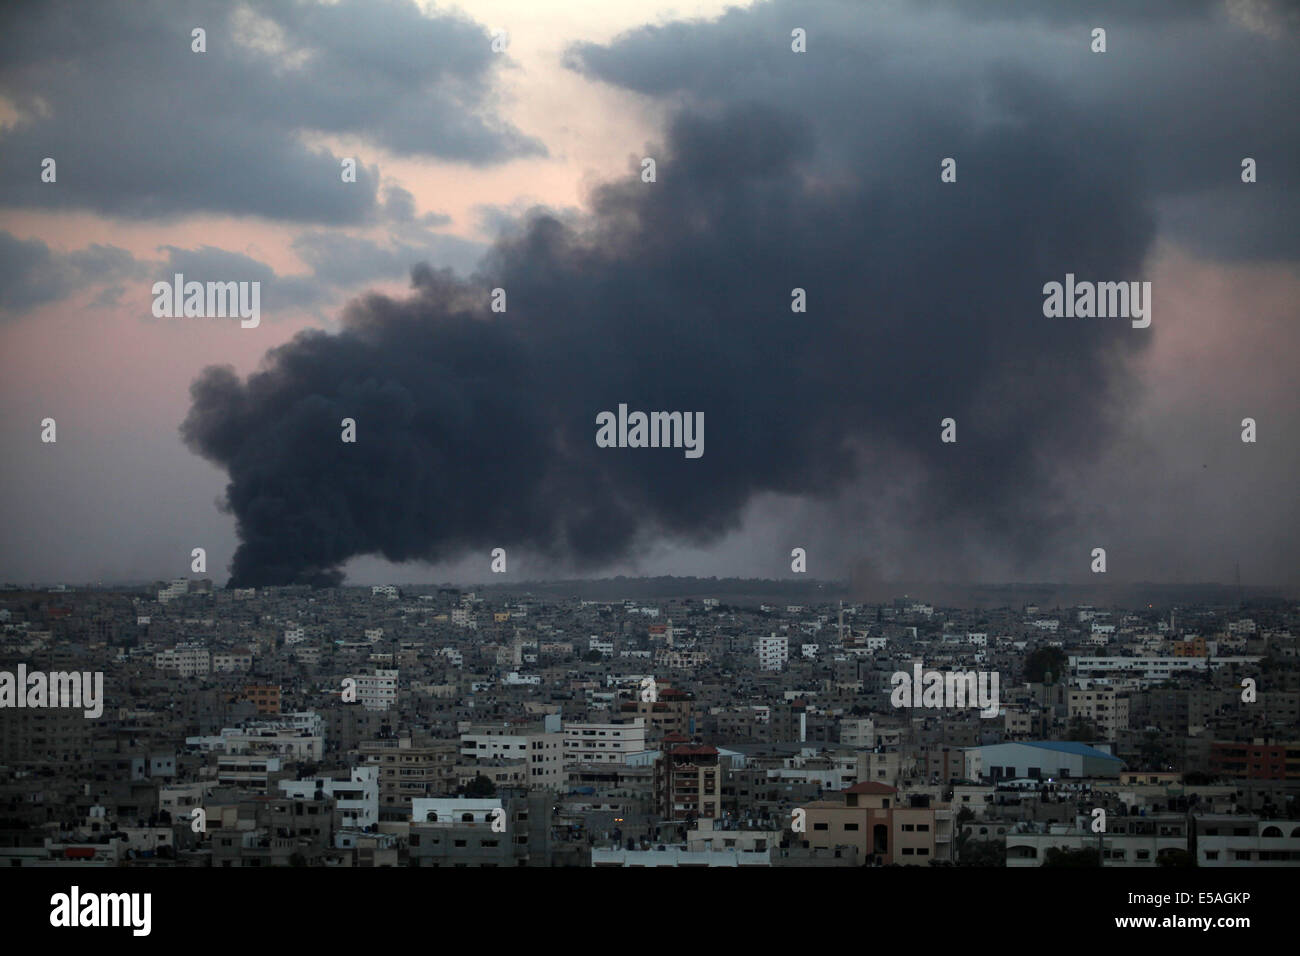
(821, 826)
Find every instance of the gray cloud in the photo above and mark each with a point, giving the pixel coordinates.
(32, 274)
(345, 261)
(142, 127)
(1184, 93)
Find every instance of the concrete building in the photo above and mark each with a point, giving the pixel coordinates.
(1128, 841)
(1233, 840)
(882, 825)
(1039, 760)
(356, 797)
(410, 770)
(603, 743)
(377, 691)
(543, 752)
(514, 830)
(185, 660)
(1104, 708)
(773, 652)
(688, 780)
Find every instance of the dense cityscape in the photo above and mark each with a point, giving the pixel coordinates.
(439, 726)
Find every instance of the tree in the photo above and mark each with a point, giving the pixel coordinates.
(480, 786)
(1045, 660)
(1081, 729)
(983, 853)
(1175, 858)
(1071, 858)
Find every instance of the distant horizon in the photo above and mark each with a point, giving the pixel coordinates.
(1258, 591)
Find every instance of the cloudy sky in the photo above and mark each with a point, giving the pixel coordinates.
(774, 170)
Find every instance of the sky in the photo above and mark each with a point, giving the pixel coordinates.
(522, 169)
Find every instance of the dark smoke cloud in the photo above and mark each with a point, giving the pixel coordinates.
(477, 430)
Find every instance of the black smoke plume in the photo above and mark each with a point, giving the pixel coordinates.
(477, 430)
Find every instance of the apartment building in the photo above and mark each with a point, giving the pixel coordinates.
(883, 826)
(1128, 841)
(377, 691)
(265, 697)
(773, 652)
(252, 772)
(514, 830)
(603, 743)
(1233, 840)
(672, 713)
(238, 660)
(356, 796)
(1104, 708)
(185, 660)
(1261, 759)
(410, 770)
(543, 752)
(688, 780)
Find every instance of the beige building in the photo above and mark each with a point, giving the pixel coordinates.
(883, 827)
(1102, 707)
(409, 770)
(688, 780)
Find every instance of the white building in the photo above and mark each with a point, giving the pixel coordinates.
(543, 752)
(377, 691)
(178, 588)
(356, 798)
(603, 743)
(187, 660)
(1228, 840)
(773, 652)
(680, 856)
(1152, 668)
(456, 811)
(516, 679)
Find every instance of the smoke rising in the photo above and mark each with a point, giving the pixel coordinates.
(477, 430)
